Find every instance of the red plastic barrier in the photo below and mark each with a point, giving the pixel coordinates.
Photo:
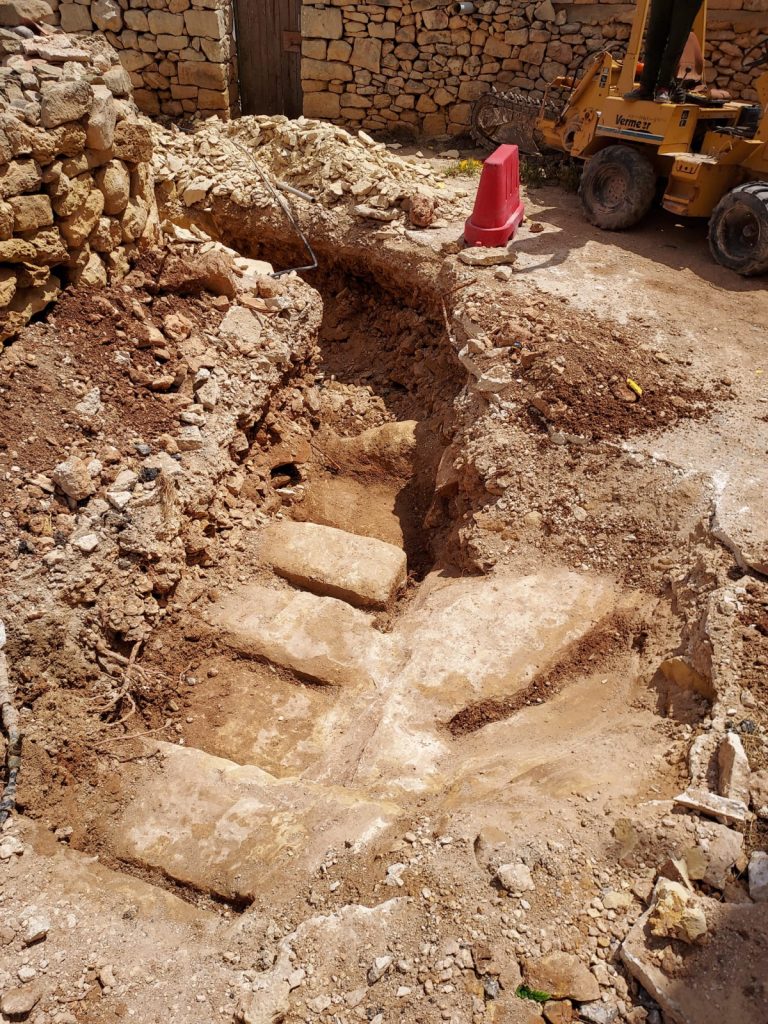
(498, 211)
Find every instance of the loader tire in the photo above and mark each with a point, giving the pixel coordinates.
(738, 229)
(617, 188)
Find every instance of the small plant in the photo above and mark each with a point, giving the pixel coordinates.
(523, 992)
(469, 168)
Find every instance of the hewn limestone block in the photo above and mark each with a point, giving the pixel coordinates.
(325, 71)
(212, 24)
(321, 23)
(203, 74)
(321, 104)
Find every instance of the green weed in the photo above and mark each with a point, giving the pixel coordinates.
(523, 992)
(469, 168)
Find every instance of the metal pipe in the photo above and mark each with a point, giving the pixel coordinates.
(463, 7)
(285, 187)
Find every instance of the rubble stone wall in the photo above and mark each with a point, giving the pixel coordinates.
(415, 63)
(76, 180)
(180, 54)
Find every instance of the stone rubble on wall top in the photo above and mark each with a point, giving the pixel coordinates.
(76, 187)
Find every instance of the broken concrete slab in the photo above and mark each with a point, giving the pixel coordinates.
(740, 520)
(234, 830)
(714, 806)
(333, 563)
(318, 638)
(734, 768)
(722, 978)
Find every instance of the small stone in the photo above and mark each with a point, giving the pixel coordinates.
(107, 976)
(515, 877)
(36, 930)
(617, 900)
(87, 543)
(10, 846)
(676, 913)
(379, 968)
(598, 1013)
(558, 1011)
(26, 973)
(563, 976)
(758, 876)
(481, 256)
(17, 1003)
(90, 406)
(119, 499)
(72, 477)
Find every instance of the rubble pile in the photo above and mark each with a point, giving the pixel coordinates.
(76, 185)
(329, 163)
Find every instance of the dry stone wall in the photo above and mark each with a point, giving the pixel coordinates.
(76, 182)
(417, 64)
(179, 53)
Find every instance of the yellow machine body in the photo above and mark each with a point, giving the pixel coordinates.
(700, 164)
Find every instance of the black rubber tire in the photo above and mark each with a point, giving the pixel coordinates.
(738, 229)
(617, 188)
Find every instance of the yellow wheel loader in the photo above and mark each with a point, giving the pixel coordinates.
(709, 153)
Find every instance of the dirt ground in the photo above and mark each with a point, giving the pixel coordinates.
(330, 813)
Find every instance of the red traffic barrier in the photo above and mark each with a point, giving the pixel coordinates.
(498, 211)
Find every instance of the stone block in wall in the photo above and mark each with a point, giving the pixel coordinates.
(213, 100)
(106, 14)
(386, 30)
(100, 130)
(133, 142)
(31, 212)
(134, 60)
(148, 43)
(217, 50)
(406, 51)
(166, 23)
(533, 53)
(366, 53)
(308, 85)
(147, 101)
(495, 47)
(117, 81)
(321, 22)
(81, 223)
(472, 90)
(434, 124)
(75, 18)
(211, 24)
(137, 20)
(204, 74)
(339, 49)
(436, 19)
(316, 49)
(325, 71)
(18, 177)
(183, 92)
(173, 43)
(20, 12)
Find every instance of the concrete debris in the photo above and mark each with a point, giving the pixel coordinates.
(734, 769)
(676, 913)
(480, 256)
(714, 806)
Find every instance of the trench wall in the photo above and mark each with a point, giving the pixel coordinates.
(414, 64)
(76, 182)
(180, 54)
